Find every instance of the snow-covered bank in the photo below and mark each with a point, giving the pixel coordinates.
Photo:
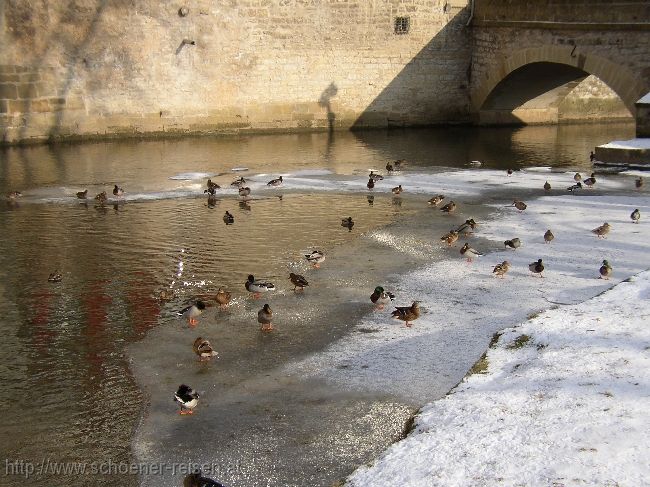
(564, 401)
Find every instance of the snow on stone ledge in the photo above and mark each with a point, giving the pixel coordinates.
(628, 144)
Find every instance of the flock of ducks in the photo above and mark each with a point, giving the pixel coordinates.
(188, 398)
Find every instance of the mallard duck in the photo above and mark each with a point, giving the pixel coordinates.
(639, 182)
(578, 185)
(371, 184)
(55, 277)
(192, 312)
(381, 298)
(407, 313)
(399, 163)
(537, 267)
(165, 295)
(590, 181)
(12, 195)
(347, 223)
(501, 269)
(275, 182)
(635, 216)
(188, 398)
(602, 230)
(238, 182)
(509, 172)
(264, 317)
(520, 205)
(469, 252)
(374, 176)
(605, 270)
(315, 258)
(467, 227)
(397, 189)
(82, 194)
(436, 200)
(228, 218)
(547, 186)
(212, 201)
(210, 192)
(203, 349)
(101, 197)
(449, 207)
(298, 281)
(475, 163)
(450, 238)
(222, 298)
(244, 191)
(117, 191)
(389, 167)
(212, 185)
(577, 177)
(548, 237)
(514, 243)
(258, 287)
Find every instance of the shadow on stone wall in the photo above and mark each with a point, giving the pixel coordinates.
(442, 66)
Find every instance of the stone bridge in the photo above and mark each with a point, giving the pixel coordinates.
(526, 56)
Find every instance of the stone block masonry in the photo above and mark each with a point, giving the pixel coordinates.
(144, 68)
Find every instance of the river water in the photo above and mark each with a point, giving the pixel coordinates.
(90, 363)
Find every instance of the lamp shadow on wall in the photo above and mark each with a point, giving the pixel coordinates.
(325, 101)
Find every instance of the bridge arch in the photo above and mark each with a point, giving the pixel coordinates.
(619, 78)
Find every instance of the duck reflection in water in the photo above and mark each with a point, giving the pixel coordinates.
(244, 205)
(371, 200)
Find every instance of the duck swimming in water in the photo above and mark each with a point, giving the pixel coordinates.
(82, 194)
(228, 218)
(347, 223)
(55, 277)
(187, 398)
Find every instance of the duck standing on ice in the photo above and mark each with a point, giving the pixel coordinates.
(188, 398)
(407, 313)
(258, 287)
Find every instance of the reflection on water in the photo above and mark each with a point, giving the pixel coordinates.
(67, 393)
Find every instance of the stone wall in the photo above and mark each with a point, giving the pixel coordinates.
(592, 100)
(606, 38)
(90, 68)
